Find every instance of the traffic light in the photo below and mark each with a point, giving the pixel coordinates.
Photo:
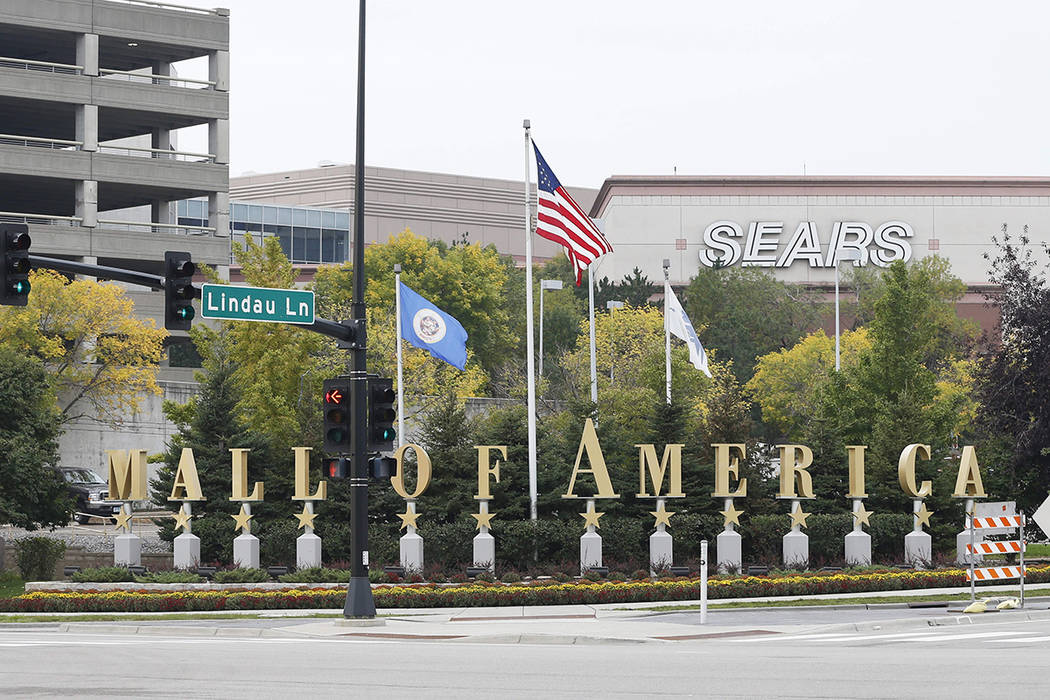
(334, 468)
(179, 291)
(382, 467)
(14, 273)
(381, 414)
(337, 418)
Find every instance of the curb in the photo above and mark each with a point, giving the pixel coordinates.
(159, 631)
(942, 621)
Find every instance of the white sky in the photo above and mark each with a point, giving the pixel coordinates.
(843, 87)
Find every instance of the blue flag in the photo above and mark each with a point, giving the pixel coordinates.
(429, 328)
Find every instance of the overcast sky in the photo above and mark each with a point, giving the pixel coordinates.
(732, 87)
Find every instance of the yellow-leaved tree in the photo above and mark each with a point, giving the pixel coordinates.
(100, 358)
(787, 382)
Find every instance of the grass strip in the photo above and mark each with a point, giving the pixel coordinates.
(131, 617)
(873, 600)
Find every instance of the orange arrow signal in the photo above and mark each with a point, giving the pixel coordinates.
(333, 396)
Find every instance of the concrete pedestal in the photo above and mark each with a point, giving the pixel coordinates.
(963, 539)
(412, 551)
(729, 546)
(246, 551)
(485, 550)
(661, 550)
(127, 550)
(187, 548)
(590, 551)
(796, 550)
(858, 548)
(918, 549)
(307, 551)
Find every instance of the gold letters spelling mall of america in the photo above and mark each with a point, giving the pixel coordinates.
(659, 476)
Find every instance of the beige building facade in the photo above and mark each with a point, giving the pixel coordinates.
(434, 205)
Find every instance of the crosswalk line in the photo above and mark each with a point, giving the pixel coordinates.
(1024, 640)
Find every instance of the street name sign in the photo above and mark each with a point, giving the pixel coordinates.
(234, 303)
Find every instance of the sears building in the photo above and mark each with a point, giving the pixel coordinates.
(794, 225)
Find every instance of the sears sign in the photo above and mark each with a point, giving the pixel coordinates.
(764, 245)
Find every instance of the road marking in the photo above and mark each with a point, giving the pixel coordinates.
(1020, 639)
(969, 635)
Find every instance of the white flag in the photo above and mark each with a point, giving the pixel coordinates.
(678, 324)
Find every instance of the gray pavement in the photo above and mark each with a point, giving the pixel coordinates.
(610, 654)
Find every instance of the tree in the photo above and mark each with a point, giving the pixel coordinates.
(950, 336)
(746, 313)
(100, 359)
(278, 368)
(892, 398)
(787, 383)
(210, 424)
(1012, 378)
(448, 437)
(464, 280)
(31, 494)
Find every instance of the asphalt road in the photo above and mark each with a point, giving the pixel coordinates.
(969, 661)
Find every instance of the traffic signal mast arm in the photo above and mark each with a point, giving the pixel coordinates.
(100, 271)
(346, 331)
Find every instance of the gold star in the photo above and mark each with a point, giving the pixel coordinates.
(798, 517)
(407, 518)
(731, 515)
(591, 518)
(242, 519)
(306, 518)
(922, 515)
(662, 515)
(182, 519)
(862, 515)
(483, 519)
(123, 521)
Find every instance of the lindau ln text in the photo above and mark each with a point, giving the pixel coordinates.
(248, 305)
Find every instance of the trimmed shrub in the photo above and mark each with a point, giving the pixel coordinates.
(242, 576)
(104, 574)
(38, 556)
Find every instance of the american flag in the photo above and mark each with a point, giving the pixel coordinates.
(560, 219)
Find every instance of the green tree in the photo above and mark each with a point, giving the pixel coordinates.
(31, 494)
(448, 437)
(892, 398)
(210, 424)
(1014, 421)
(746, 312)
(465, 280)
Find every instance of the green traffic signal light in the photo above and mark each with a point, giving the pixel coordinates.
(21, 287)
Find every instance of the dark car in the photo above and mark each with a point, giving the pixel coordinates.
(89, 493)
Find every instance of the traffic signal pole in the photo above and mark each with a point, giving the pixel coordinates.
(359, 601)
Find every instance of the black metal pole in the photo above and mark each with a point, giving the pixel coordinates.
(359, 601)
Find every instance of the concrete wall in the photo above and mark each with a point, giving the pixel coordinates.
(85, 442)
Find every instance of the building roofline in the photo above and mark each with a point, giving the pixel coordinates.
(817, 184)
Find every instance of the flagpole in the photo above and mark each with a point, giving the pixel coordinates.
(667, 328)
(400, 383)
(529, 350)
(590, 316)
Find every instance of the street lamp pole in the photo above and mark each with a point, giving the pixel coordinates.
(840, 255)
(545, 284)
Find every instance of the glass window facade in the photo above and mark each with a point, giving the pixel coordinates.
(307, 235)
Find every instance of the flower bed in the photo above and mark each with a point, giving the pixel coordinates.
(495, 594)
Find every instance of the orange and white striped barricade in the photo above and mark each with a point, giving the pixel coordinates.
(996, 573)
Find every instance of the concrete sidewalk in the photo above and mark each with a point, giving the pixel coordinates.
(562, 624)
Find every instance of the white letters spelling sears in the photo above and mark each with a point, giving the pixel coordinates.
(764, 247)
